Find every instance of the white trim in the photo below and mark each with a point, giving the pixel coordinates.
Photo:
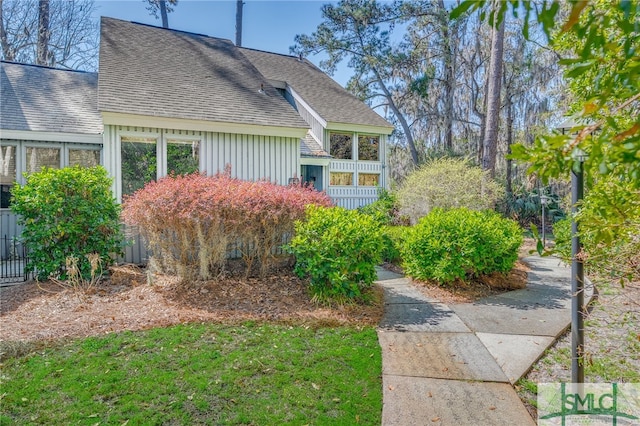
(302, 102)
(135, 120)
(358, 128)
(27, 135)
(314, 161)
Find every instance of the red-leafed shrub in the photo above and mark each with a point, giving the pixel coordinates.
(193, 223)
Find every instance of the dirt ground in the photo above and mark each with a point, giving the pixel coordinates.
(46, 311)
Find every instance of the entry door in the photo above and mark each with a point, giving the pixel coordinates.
(313, 174)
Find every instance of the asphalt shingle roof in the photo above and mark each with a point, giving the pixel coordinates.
(330, 100)
(309, 147)
(159, 72)
(35, 98)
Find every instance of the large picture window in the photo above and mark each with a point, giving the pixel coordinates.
(37, 158)
(139, 162)
(368, 179)
(183, 157)
(7, 173)
(341, 178)
(84, 157)
(341, 146)
(368, 148)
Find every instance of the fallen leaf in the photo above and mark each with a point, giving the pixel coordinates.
(316, 387)
(492, 408)
(430, 395)
(435, 419)
(391, 387)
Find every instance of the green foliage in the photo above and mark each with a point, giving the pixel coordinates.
(338, 250)
(385, 209)
(609, 226)
(66, 213)
(525, 207)
(600, 41)
(392, 239)
(460, 243)
(198, 374)
(447, 183)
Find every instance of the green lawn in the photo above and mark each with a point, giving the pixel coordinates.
(253, 374)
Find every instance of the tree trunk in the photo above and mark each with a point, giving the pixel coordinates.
(42, 50)
(448, 33)
(4, 42)
(239, 5)
(490, 142)
(403, 122)
(163, 13)
(509, 107)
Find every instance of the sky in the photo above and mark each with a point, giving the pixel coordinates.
(267, 25)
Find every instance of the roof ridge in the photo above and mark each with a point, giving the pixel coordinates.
(275, 53)
(166, 29)
(47, 67)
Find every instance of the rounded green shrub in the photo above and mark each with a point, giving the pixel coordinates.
(460, 243)
(68, 213)
(338, 250)
(447, 183)
(392, 238)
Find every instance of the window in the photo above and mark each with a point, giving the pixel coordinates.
(139, 163)
(341, 146)
(341, 178)
(368, 179)
(368, 147)
(183, 157)
(84, 157)
(7, 173)
(37, 158)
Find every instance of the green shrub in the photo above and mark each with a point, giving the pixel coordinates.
(385, 209)
(562, 238)
(447, 183)
(392, 239)
(68, 213)
(459, 244)
(338, 250)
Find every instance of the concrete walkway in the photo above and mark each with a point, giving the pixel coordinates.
(455, 364)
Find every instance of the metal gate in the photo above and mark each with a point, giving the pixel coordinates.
(13, 260)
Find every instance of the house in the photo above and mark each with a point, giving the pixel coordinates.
(168, 101)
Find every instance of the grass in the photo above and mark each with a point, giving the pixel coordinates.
(252, 374)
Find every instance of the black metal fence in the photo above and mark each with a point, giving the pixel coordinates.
(13, 260)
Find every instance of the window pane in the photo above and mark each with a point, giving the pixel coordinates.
(84, 157)
(183, 157)
(341, 178)
(368, 179)
(341, 146)
(37, 158)
(368, 147)
(7, 173)
(139, 163)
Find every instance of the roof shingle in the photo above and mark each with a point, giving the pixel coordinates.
(159, 72)
(42, 99)
(330, 100)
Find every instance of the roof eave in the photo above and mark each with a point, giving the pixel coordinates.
(123, 119)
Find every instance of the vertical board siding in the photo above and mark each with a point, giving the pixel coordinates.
(252, 157)
(316, 127)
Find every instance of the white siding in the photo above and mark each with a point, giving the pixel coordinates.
(316, 127)
(251, 157)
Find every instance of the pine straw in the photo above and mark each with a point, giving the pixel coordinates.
(33, 312)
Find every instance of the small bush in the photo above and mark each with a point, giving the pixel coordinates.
(459, 244)
(393, 238)
(447, 183)
(68, 213)
(194, 223)
(338, 250)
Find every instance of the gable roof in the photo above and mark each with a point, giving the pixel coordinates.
(43, 99)
(327, 98)
(152, 71)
